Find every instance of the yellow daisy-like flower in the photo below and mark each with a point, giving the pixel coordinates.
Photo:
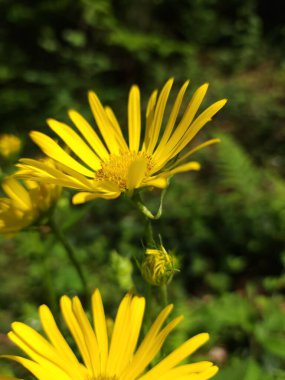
(25, 203)
(9, 145)
(105, 167)
(119, 359)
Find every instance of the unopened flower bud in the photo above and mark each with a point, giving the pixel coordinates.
(10, 145)
(158, 266)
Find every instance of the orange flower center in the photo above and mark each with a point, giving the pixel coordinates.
(117, 168)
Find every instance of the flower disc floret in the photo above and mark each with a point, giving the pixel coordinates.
(118, 168)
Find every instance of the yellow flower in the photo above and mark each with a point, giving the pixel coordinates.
(25, 203)
(105, 167)
(158, 266)
(117, 359)
(9, 145)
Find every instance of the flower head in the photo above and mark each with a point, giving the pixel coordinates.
(108, 165)
(10, 145)
(117, 359)
(25, 203)
(158, 266)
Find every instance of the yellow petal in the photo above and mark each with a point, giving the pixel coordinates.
(136, 173)
(134, 119)
(32, 342)
(177, 356)
(173, 115)
(186, 370)
(78, 180)
(149, 117)
(89, 134)
(164, 149)
(149, 348)
(84, 197)
(56, 338)
(194, 150)
(125, 334)
(119, 336)
(75, 143)
(12, 218)
(160, 182)
(155, 327)
(193, 165)
(18, 193)
(136, 318)
(103, 123)
(199, 123)
(54, 151)
(43, 354)
(39, 371)
(117, 130)
(100, 327)
(208, 373)
(76, 330)
(158, 116)
(89, 336)
(39, 171)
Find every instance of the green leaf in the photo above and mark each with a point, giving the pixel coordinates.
(275, 345)
(253, 371)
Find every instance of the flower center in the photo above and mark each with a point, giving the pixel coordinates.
(116, 169)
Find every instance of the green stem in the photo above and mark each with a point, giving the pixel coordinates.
(164, 302)
(149, 239)
(148, 311)
(47, 279)
(49, 289)
(137, 200)
(148, 216)
(70, 253)
(164, 294)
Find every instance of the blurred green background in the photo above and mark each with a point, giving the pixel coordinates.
(225, 224)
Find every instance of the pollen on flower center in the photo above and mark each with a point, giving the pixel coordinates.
(116, 169)
(103, 377)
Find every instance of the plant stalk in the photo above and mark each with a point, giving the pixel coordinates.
(71, 255)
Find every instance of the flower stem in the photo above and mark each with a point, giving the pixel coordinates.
(137, 200)
(46, 273)
(71, 255)
(149, 239)
(164, 294)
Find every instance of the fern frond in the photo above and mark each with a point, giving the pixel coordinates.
(236, 169)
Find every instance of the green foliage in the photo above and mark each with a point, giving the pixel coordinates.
(235, 322)
(236, 169)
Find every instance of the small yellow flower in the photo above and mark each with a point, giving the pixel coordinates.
(158, 266)
(10, 145)
(25, 203)
(117, 358)
(107, 166)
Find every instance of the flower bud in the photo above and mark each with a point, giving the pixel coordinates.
(158, 266)
(10, 145)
